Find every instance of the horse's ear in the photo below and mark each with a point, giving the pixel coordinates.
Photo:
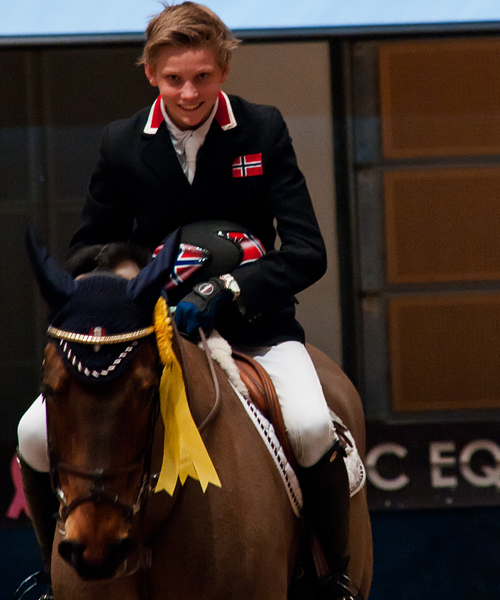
(56, 285)
(146, 287)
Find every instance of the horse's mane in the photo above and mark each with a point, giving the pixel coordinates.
(106, 257)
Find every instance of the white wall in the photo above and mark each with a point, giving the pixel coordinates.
(63, 17)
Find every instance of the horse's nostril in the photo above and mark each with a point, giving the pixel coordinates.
(122, 549)
(71, 551)
(74, 554)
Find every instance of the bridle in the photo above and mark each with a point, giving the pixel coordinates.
(100, 490)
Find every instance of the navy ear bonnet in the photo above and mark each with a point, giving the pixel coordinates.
(101, 300)
(99, 304)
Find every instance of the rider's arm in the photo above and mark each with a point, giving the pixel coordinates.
(301, 259)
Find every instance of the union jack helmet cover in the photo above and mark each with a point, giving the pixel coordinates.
(209, 249)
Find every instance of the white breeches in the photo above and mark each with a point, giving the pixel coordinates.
(303, 404)
(305, 411)
(32, 436)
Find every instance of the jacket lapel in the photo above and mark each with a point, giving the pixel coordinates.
(159, 155)
(211, 155)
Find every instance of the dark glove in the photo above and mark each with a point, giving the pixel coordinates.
(200, 307)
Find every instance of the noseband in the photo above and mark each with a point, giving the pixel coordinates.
(100, 490)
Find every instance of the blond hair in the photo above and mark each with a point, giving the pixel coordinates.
(188, 25)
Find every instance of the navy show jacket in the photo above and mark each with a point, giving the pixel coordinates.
(139, 193)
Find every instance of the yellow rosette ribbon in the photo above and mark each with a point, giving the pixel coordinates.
(184, 452)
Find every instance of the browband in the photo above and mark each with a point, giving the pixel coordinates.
(81, 338)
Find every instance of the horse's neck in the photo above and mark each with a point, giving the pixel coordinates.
(199, 386)
(198, 379)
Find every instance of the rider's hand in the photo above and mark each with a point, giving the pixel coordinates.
(200, 307)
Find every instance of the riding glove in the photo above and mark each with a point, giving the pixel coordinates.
(200, 307)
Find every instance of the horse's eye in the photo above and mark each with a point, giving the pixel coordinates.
(47, 392)
(148, 393)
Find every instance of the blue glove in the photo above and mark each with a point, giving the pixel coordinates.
(200, 307)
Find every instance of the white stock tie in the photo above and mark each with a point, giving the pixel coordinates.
(191, 148)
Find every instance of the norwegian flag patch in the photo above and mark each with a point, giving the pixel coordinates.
(248, 165)
(189, 260)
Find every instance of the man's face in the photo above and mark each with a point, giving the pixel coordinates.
(189, 81)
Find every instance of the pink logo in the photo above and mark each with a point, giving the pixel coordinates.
(18, 503)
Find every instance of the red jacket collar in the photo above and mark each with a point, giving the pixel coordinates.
(224, 115)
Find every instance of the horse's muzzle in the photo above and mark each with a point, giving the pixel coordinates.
(73, 553)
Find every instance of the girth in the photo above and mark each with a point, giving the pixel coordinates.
(263, 394)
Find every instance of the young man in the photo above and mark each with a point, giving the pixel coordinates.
(196, 155)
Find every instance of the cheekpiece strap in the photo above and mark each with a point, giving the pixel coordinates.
(81, 338)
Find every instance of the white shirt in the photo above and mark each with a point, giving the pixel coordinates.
(187, 142)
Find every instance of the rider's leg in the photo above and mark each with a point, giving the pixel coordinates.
(305, 412)
(322, 472)
(34, 461)
(325, 487)
(32, 436)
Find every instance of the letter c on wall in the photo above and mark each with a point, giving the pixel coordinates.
(375, 477)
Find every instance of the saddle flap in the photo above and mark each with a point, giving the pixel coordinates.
(263, 394)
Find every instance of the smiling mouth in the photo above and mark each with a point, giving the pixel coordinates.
(191, 107)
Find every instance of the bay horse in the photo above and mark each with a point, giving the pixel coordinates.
(119, 540)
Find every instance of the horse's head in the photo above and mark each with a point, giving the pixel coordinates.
(100, 383)
(99, 439)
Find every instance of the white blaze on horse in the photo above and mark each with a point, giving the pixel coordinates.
(117, 538)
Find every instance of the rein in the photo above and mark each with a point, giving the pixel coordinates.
(210, 361)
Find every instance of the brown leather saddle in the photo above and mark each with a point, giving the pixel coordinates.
(263, 395)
